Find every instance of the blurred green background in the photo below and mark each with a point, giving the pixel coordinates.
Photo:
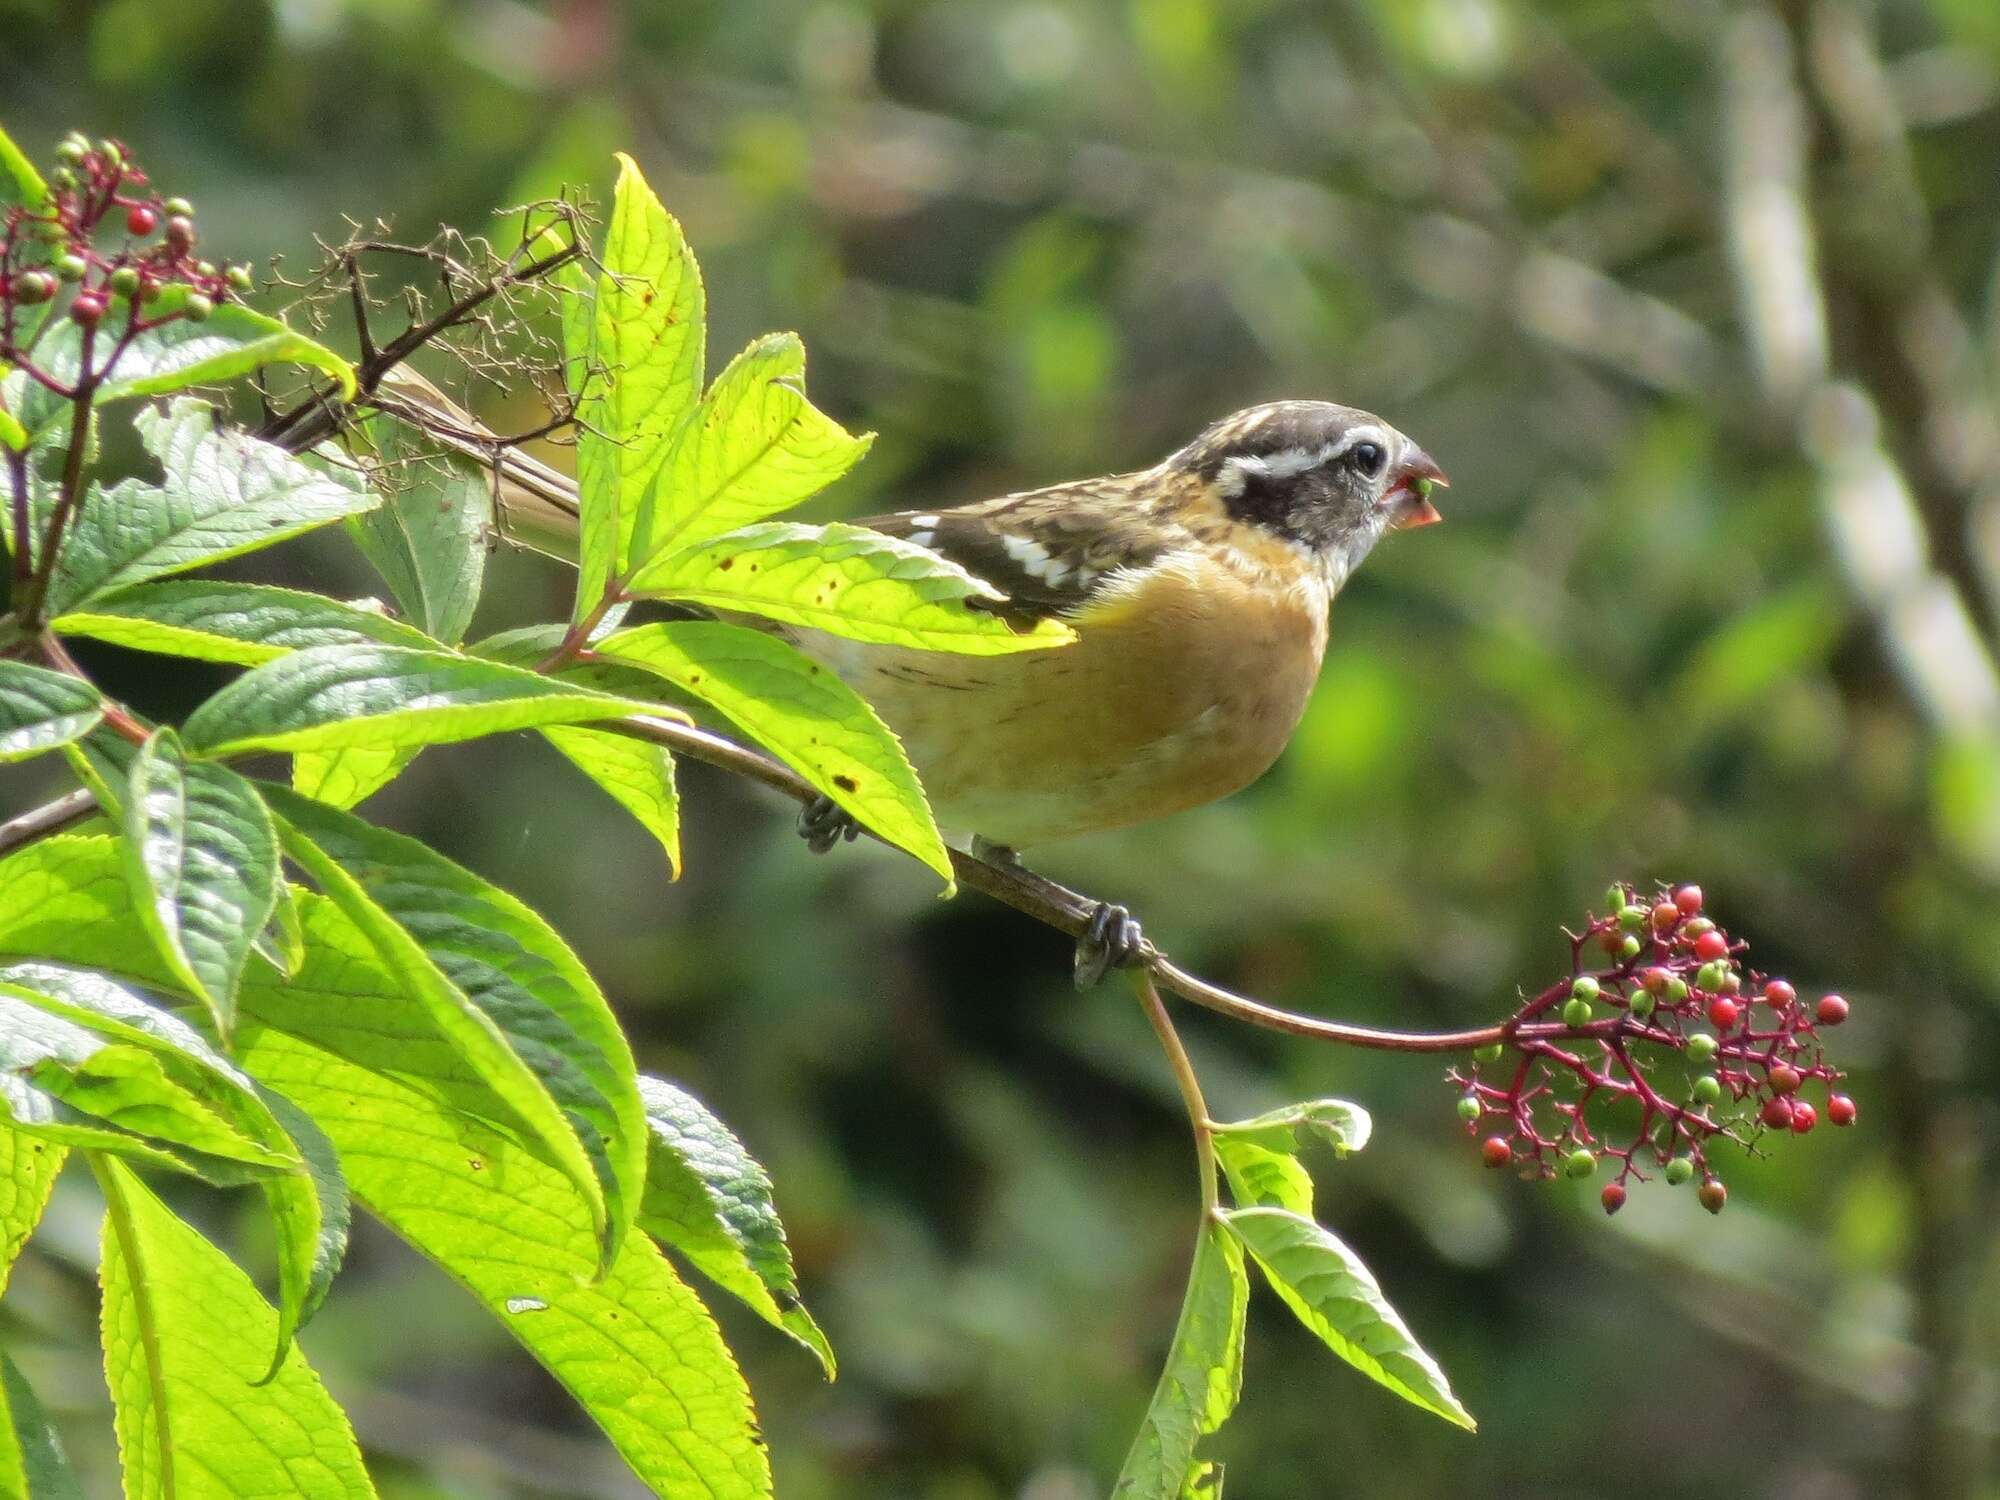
(1698, 302)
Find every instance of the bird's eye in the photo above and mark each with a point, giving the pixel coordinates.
(1368, 458)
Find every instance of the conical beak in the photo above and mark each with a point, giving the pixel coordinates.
(1411, 496)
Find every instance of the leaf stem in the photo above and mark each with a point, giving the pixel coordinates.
(1184, 1077)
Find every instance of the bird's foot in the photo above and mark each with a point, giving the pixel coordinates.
(824, 823)
(1112, 940)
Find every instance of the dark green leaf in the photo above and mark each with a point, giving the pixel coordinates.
(707, 1197)
(40, 709)
(32, 1463)
(223, 493)
(430, 538)
(203, 859)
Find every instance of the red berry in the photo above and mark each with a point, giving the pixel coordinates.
(1666, 916)
(1688, 899)
(1784, 1079)
(1804, 1117)
(1723, 1012)
(1778, 1114)
(1711, 945)
(86, 308)
(1655, 979)
(1495, 1152)
(1780, 995)
(1712, 1195)
(1840, 1110)
(1613, 1197)
(141, 219)
(1832, 1010)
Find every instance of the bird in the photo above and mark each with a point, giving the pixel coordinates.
(1198, 591)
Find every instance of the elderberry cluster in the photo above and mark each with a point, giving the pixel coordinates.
(1672, 1044)
(107, 239)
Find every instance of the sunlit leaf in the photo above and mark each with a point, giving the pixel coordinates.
(247, 624)
(1202, 1379)
(28, 1167)
(636, 774)
(802, 713)
(185, 1335)
(430, 537)
(1338, 1298)
(847, 580)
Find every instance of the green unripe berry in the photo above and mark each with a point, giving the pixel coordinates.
(1583, 987)
(1490, 1053)
(72, 267)
(1629, 948)
(179, 206)
(1679, 1170)
(1634, 917)
(204, 268)
(1677, 989)
(239, 277)
(34, 287)
(1700, 1048)
(62, 179)
(1711, 976)
(198, 307)
(1732, 984)
(1576, 1013)
(1694, 929)
(1614, 897)
(1642, 1004)
(1708, 1088)
(72, 152)
(1469, 1108)
(1579, 1164)
(125, 281)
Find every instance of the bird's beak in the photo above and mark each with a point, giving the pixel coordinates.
(1409, 499)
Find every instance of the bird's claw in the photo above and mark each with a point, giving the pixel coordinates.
(824, 823)
(1112, 940)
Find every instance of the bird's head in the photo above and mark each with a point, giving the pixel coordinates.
(1328, 477)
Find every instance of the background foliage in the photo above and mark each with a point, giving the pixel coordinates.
(1690, 617)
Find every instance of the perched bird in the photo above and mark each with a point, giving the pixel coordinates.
(1198, 590)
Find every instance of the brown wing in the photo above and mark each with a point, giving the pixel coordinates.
(1047, 550)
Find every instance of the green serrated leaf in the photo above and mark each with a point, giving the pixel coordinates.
(637, 774)
(223, 493)
(634, 345)
(308, 1204)
(430, 538)
(846, 580)
(183, 1334)
(708, 1198)
(802, 713)
(434, 1153)
(62, 1082)
(753, 447)
(279, 944)
(1261, 1175)
(247, 624)
(386, 697)
(203, 859)
(1201, 1382)
(33, 1465)
(1325, 1284)
(41, 710)
(350, 776)
(534, 1023)
(12, 433)
(28, 1167)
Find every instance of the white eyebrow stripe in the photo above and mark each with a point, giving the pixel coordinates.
(927, 523)
(1289, 463)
